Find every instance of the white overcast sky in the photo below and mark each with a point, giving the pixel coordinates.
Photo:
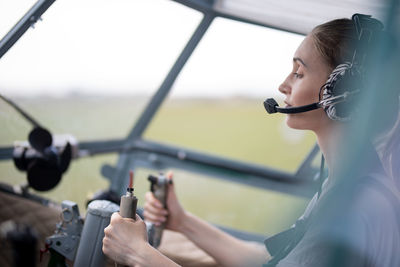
(128, 46)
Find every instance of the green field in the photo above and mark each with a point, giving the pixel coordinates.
(237, 128)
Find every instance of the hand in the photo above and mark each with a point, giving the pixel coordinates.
(155, 212)
(124, 239)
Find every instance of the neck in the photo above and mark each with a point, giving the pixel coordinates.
(328, 138)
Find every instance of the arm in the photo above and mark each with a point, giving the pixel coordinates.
(224, 248)
(125, 242)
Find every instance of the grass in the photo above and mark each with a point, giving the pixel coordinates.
(237, 128)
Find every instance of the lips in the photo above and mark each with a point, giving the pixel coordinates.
(287, 104)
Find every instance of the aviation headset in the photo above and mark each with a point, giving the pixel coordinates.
(345, 81)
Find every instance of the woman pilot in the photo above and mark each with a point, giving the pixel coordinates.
(359, 228)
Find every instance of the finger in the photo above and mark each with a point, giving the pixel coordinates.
(170, 175)
(155, 210)
(171, 189)
(153, 218)
(150, 198)
(137, 218)
(107, 230)
(115, 217)
(131, 220)
(105, 246)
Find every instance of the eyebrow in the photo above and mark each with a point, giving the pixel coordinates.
(299, 60)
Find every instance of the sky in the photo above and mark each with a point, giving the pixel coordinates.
(128, 46)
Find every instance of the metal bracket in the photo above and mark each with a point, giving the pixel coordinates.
(66, 239)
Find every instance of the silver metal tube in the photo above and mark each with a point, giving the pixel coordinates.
(98, 216)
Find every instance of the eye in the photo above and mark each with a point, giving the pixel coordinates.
(297, 75)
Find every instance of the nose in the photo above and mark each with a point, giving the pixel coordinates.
(284, 88)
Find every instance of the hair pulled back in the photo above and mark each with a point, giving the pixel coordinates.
(335, 41)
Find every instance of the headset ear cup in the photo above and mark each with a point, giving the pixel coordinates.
(344, 78)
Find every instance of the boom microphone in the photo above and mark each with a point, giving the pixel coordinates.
(271, 106)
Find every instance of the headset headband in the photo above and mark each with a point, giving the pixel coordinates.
(365, 27)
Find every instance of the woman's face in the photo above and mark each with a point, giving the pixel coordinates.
(301, 87)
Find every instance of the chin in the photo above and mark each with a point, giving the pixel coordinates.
(311, 120)
(297, 122)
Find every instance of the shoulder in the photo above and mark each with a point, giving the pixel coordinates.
(363, 227)
(375, 198)
(377, 209)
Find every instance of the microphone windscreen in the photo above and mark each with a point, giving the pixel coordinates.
(270, 105)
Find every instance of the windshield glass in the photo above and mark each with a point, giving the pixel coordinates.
(87, 69)
(84, 59)
(216, 105)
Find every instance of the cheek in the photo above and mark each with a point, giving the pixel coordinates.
(305, 93)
